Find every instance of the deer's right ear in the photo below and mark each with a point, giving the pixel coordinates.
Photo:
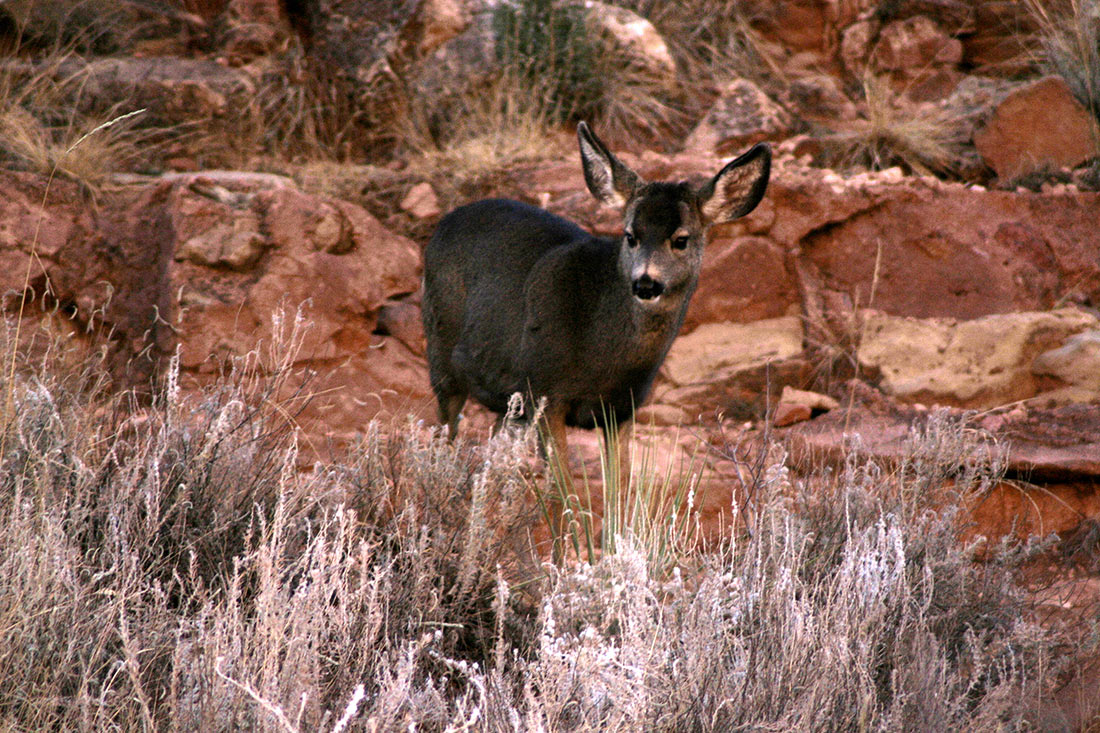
(607, 177)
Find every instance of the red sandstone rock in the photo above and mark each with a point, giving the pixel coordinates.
(743, 279)
(1040, 125)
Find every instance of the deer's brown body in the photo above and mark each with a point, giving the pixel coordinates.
(519, 300)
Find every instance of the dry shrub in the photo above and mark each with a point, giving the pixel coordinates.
(172, 566)
(852, 609)
(505, 124)
(84, 26)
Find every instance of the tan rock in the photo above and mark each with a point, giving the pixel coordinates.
(421, 201)
(1076, 364)
(1040, 125)
(717, 351)
(979, 363)
(660, 414)
(796, 405)
(787, 413)
(633, 38)
(742, 116)
(813, 400)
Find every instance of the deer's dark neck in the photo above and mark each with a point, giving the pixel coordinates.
(643, 334)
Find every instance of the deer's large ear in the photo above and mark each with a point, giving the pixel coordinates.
(607, 177)
(738, 187)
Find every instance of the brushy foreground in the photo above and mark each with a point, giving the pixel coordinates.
(170, 567)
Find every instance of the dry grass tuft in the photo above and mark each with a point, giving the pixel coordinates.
(42, 131)
(919, 137)
(507, 124)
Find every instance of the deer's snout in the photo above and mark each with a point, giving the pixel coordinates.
(646, 288)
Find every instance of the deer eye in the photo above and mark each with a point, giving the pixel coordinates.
(631, 242)
(681, 242)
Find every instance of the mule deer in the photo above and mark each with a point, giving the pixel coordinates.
(519, 300)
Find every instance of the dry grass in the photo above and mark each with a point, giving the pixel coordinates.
(507, 124)
(172, 567)
(42, 131)
(652, 510)
(919, 137)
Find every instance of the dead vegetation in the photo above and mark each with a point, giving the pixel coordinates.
(173, 567)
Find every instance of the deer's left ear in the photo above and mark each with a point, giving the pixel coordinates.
(738, 187)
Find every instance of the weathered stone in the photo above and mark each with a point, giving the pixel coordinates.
(401, 319)
(913, 45)
(1076, 366)
(813, 400)
(788, 413)
(170, 89)
(819, 98)
(855, 46)
(1040, 125)
(716, 351)
(743, 115)
(633, 39)
(743, 279)
(796, 405)
(421, 201)
(980, 363)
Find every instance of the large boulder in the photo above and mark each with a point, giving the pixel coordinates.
(918, 247)
(743, 279)
(199, 266)
(1039, 126)
(741, 116)
(980, 363)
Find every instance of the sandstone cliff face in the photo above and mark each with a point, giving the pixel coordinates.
(873, 264)
(976, 293)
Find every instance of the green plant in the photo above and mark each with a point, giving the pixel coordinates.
(548, 46)
(646, 505)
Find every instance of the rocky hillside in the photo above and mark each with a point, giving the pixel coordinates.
(174, 176)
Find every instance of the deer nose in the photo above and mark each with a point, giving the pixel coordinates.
(646, 288)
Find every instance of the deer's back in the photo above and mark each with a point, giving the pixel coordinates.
(478, 269)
